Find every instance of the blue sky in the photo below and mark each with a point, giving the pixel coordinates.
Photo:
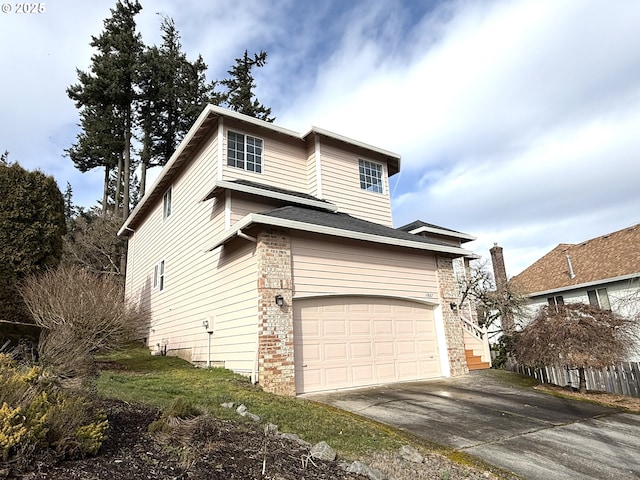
(517, 121)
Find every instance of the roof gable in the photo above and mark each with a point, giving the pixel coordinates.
(612, 256)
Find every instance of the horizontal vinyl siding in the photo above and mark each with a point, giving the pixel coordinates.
(321, 267)
(312, 179)
(178, 311)
(284, 160)
(242, 206)
(235, 298)
(341, 185)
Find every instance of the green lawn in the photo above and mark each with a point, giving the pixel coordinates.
(135, 376)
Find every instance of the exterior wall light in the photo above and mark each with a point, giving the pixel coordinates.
(279, 300)
(453, 306)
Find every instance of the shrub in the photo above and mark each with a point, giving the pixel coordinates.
(36, 418)
(80, 313)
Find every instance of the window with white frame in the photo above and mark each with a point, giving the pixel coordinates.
(370, 176)
(599, 298)
(244, 151)
(166, 204)
(158, 275)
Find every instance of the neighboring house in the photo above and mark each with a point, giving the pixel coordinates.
(272, 253)
(603, 271)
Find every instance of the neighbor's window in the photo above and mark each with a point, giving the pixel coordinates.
(158, 275)
(244, 151)
(166, 204)
(370, 176)
(599, 298)
(557, 300)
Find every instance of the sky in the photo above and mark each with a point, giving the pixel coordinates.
(517, 121)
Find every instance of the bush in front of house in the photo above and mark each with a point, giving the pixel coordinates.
(38, 419)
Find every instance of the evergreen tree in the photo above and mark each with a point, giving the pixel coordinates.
(106, 98)
(32, 224)
(174, 91)
(240, 86)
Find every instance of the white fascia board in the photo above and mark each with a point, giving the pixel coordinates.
(595, 283)
(336, 232)
(440, 231)
(238, 187)
(351, 141)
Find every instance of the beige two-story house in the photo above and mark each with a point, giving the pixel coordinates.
(272, 253)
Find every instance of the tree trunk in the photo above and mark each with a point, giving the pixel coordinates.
(105, 190)
(127, 167)
(143, 178)
(118, 185)
(582, 385)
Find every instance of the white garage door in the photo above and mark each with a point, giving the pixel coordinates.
(343, 342)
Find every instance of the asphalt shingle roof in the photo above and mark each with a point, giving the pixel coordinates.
(344, 221)
(609, 256)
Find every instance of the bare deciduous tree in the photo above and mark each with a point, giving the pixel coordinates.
(575, 336)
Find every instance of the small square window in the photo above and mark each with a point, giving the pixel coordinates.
(370, 176)
(244, 151)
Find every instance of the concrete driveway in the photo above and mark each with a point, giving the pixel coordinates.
(532, 434)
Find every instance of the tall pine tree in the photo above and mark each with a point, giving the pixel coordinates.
(106, 98)
(240, 87)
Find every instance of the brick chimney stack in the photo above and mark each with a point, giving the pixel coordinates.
(499, 270)
(500, 274)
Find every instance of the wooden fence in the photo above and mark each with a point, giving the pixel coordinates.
(623, 378)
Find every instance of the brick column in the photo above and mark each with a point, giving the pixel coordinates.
(275, 324)
(452, 324)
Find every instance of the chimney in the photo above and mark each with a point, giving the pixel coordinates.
(500, 274)
(499, 270)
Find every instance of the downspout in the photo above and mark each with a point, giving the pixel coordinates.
(241, 234)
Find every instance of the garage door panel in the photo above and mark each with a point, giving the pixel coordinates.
(360, 350)
(357, 341)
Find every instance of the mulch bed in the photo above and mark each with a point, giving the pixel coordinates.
(215, 450)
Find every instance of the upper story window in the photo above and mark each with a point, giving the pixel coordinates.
(370, 176)
(244, 151)
(166, 204)
(599, 298)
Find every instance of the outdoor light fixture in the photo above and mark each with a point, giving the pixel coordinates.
(279, 300)
(453, 306)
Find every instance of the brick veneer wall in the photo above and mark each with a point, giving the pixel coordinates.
(452, 325)
(275, 324)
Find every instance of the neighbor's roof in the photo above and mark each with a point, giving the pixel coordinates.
(337, 225)
(201, 130)
(611, 257)
(419, 226)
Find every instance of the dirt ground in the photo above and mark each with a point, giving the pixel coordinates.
(611, 399)
(217, 450)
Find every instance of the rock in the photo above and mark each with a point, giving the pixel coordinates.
(270, 428)
(227, 405)
(253, 416)
(364, 469)
(410, 454)
(242, 410)
(295, 438)
(323, 452)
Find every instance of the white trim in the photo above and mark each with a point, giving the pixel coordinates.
(443, 352)
(319, 296)
(227, 210)
(568, 288)
(337, 232)
(264, 192)
(441, 231)
(318, 158)
(220, 148)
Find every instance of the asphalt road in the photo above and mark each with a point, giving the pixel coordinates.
(535, 435)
